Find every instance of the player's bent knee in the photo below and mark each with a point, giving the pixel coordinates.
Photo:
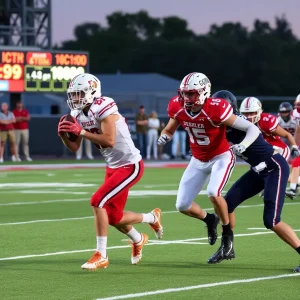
(95, 201)
(114, 218)
(268, 222)
(212, 193)
(182, 206)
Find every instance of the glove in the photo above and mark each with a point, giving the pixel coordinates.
(67, 126)
(163, 139)
(295, 151)
(59, 132)
(238, 149)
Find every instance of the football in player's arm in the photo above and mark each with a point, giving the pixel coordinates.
(96, 118)
(105, 139)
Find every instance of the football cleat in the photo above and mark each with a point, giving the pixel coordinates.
(212, 233)
(291, 194)
(137, 249)
(156, 226)
(96, 262)
(225, 251)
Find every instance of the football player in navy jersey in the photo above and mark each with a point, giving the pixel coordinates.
(269, 171)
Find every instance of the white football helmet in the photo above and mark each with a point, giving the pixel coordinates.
(249, 106)
(194, 89)
(297, 103)
(83, 89)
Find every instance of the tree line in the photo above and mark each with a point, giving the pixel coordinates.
(261, 61)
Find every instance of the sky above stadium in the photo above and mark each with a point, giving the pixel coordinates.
(66, 14)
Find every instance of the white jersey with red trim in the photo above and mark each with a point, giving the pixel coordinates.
(207, 135)
(296, 117)
(124, 152)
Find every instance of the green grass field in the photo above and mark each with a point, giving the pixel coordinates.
(47, 233)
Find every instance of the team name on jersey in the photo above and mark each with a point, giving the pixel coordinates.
(88, 124)
(195, 125)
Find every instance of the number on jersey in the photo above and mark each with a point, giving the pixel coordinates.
(215, 101)
(197, 135)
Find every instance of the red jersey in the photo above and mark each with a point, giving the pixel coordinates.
(207, 136)
(267, 124)
(21, 113)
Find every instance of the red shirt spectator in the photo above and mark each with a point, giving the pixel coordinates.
(22, 117)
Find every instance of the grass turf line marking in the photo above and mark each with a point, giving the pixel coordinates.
(153, 243)
(88, 217)
(199, 286)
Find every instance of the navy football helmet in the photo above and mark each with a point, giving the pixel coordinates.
(285, 111)
(229, 97)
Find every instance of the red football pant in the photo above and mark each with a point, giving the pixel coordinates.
(296, 162)
(113, 194)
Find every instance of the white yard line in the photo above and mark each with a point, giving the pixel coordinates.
(151, 243)
(88, 217)
(199, 286)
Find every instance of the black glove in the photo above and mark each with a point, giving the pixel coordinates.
(295, 152)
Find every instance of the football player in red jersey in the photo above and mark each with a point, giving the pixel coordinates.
(204, 119)
(272, 132)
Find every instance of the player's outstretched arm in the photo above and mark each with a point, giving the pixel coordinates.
(252, 131)
(285, 134)
(108, 136)
(167, 133)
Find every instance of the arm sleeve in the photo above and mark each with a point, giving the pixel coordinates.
(252, 131)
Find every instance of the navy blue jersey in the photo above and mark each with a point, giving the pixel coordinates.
(256, 153)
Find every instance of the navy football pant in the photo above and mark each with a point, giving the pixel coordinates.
(273, 180)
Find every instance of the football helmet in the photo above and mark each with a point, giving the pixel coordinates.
(251, 108)
(229, 97)
(194, 89)
(82, 90)
(285, 111)
(297, 103)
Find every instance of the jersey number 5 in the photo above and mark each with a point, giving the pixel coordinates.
(196, 135)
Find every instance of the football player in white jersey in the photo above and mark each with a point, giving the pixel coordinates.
(285, 119)
(294, 178)
(97, 119)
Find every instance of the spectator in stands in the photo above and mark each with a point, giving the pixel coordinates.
(153, 126)
(141, 121)
(88, 150)
(7, 119)
(179, 143)
(22, 130)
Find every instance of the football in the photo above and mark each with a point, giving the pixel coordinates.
(71, 136)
